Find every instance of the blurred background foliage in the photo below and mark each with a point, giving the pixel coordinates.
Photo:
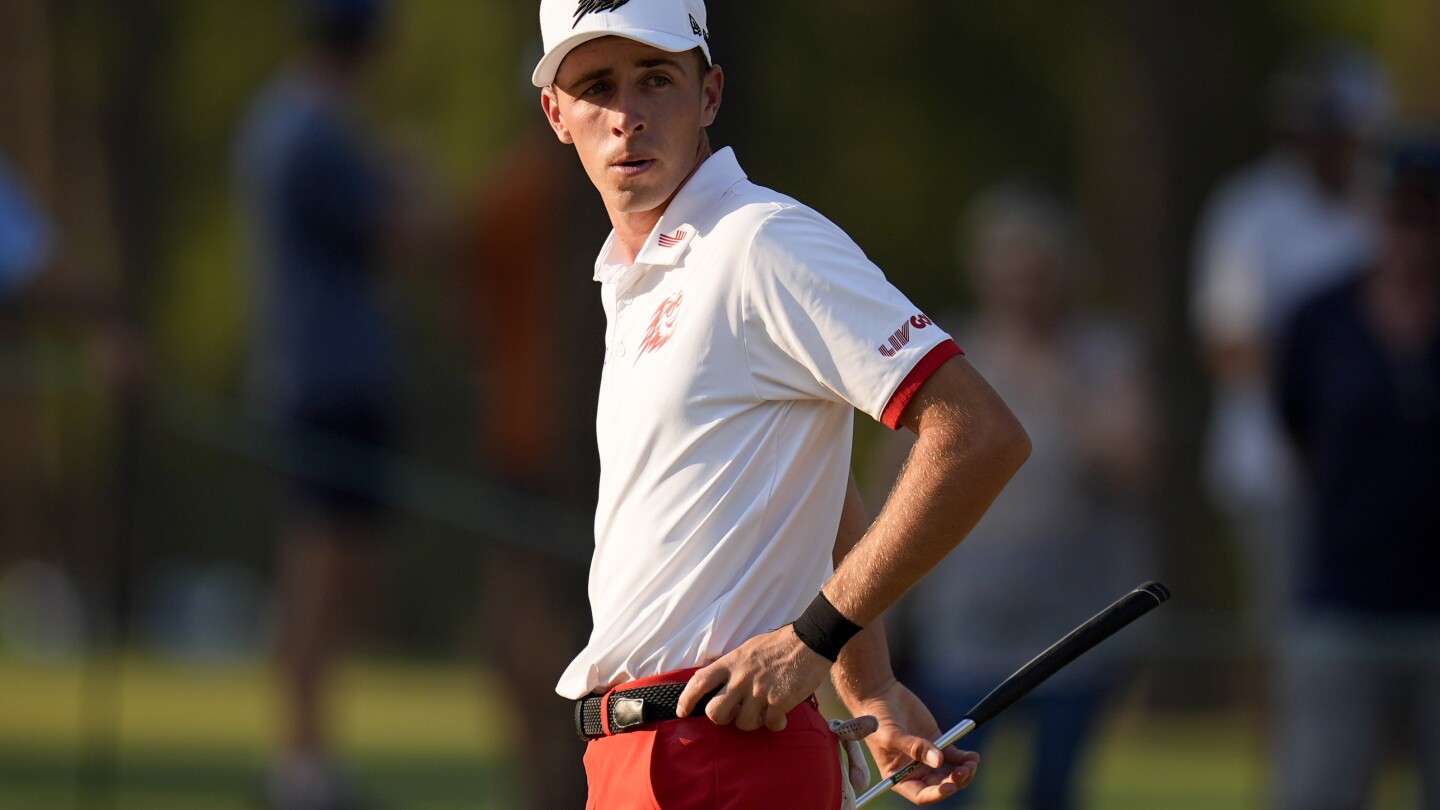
(886, 116)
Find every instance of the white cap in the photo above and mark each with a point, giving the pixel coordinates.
(670, 25)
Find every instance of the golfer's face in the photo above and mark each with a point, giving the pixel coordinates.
(635, 115)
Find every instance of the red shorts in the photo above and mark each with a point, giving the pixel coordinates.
(694, 764)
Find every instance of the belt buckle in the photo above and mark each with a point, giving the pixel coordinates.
(626, 713)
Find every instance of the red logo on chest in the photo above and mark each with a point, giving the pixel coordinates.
(662, 325)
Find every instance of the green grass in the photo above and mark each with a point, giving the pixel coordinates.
(434, 737)
(196, 736)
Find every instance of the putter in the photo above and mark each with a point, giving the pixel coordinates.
(1101, 626)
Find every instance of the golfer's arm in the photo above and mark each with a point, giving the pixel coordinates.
(968, 446)
(864, 664)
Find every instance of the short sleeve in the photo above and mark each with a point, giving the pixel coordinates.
(823, 322)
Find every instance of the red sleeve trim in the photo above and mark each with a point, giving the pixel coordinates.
(900, 400)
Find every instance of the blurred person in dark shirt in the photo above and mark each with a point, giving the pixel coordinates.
(324, 210)
(1272, 234)
(1359, 392)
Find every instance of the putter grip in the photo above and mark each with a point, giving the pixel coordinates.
(1103, 625)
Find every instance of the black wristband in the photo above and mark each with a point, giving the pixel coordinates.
(823, 628)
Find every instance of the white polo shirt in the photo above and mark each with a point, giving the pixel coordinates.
(739, 345)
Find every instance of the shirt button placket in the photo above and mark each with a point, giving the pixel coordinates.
(623, 301)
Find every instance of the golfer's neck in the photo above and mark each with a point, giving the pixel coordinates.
(632, 229)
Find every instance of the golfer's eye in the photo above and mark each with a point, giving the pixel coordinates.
(658, 80)
(596, 89)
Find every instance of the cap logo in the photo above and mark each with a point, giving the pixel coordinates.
(587, 6)
(697, 30)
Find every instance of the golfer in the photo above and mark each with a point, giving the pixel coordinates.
(734, 566)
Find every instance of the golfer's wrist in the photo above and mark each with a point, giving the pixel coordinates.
(824, 629)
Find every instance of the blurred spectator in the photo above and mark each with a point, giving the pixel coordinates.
(34, 286)
(1065, 538)
(24, 236)
(537, 429)
(1359, 391)
(25, 247)
(1271, 234)
(31, 284)
(324, 211)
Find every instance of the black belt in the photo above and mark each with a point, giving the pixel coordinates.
(629, 708)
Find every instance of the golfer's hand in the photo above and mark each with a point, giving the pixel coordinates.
(907, 731)
(759, 682)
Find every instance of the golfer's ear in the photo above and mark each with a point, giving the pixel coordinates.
(712, 86)
(550, 103)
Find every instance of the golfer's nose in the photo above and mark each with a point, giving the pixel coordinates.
(628, 116)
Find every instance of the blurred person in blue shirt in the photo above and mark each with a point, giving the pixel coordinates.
(24, 236)
(1359, 392)
(324, 211)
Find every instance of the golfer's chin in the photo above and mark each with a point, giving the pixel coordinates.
(635, 197)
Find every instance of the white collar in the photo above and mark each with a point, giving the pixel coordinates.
(672, 234)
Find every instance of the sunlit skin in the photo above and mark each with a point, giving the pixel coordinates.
(636, 116)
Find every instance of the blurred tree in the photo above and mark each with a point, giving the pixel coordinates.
(1408, 31)
(886, 116)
